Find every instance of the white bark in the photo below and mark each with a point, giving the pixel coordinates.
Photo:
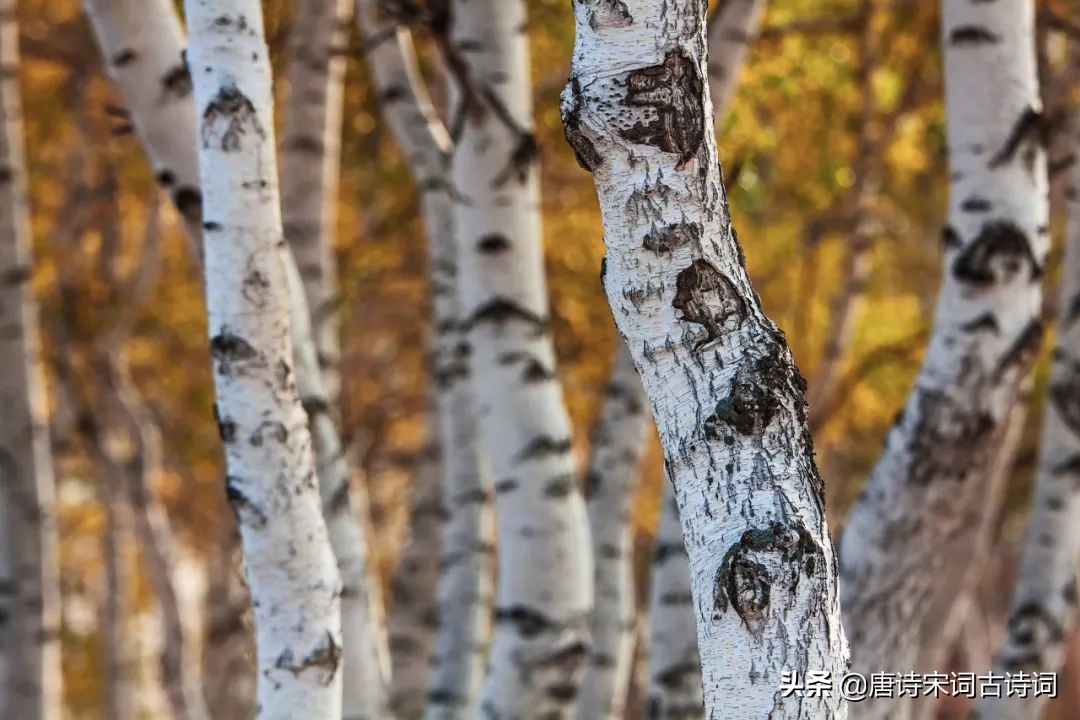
(310, 165)
(674, 662)
(619, 441)
(31, 688)
(544, 591)
(936, 459)
(724, 391)
(1043, 612)
(414, 617)
(732, 30)
(465, 579)
(141, 43)
(271, 481)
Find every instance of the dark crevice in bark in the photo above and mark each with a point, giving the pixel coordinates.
(674, 92)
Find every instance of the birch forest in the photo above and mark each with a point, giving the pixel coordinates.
(539, 359)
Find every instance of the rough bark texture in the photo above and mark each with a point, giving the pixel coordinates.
(674, 662)
(1043, 611)
(732, 29)
(724, 390)
(310, 164)
(618, 445)
(465, 577)
(414, 616)
(936, 459)
(141, 43)
(544, 592)
(271, 483)
(31, 594)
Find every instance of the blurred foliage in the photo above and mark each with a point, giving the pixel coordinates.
(789, 149)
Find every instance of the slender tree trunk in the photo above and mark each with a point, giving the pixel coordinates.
(465, 578)
(987, 329)
(227, 661)
(724, 390)
(544, 592)
(732, 29)
(32, 687)
(271, 482)
(1043, 611)
(414, 615)
(116, 655)
(618, 445)
(365, 656)
(674, 662)
(310, 165)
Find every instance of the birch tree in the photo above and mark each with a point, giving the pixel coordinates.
(618, 445)
(544, 590)
(732, 29)
(310, 164)
(674, 661)
(31, 687)
(724, 390)
(117, 26)
(1043, 609)
(271, 481)
(465, 579)
(987, 328)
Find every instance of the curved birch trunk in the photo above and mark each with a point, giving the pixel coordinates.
(271, 482)
(31, 688)
(724, 390)
(732, 30)
(544, 590)
(465, 577)
(413, 620)
(938, 456)
(674, 661)
(310, 165)
(141, 43)
(618, 444)
(1043, 611)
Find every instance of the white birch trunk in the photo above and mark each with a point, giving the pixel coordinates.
(938, 456)
(724, 390)
(1043, 612)
(310, 165)
(732, 30)
(32, 646)
(465, 579)
(365, 660)
(674, 661)
(544, 590)
(271, 482)
(141, 43)
(413, 622)
(619, 441)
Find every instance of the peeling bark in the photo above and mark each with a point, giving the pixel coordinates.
(937, 458)
(614, 466)
(1043, 612)
(718, 373)
(310, 165)
(271, 483)
(674, 662)
(544, 592)
(29, 593)
(465, 573)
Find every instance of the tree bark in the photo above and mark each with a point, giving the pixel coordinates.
(544, 590)
(116, 655)
(618, 445)
(937, 458)
(719, 375)
(732, 29)
(674, 661)
(1043, 612)
(227, 660)
(271, 483)
(31, 688)
(310, 165)
(465, 577)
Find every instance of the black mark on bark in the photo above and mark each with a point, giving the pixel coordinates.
(972, 35)
(494, 244)
(323, 659)
(674, 91)
(543, 447)
(229, 350)
(705, 296)
(228, 118)
(673, 237)
(996, 255)
(1030, 131)
(584, 150)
